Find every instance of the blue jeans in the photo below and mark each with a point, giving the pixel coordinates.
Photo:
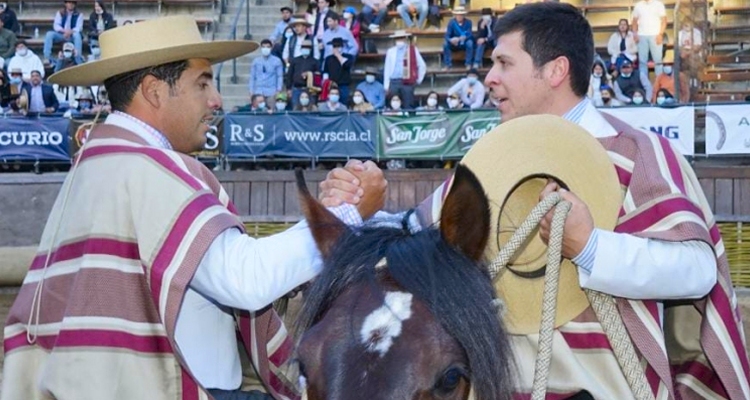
(56, 37)
(648, 44)
(382, 13)
(479, 55)
(448, 48)
(422, 9)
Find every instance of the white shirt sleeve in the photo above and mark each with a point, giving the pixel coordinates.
(631, 267)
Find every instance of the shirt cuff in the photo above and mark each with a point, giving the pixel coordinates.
(585, 259)
(348, 214)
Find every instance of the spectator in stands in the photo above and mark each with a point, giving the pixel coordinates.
(663, 97)
(470, 90)
(458, 37)
(257, 104)
(320, 24)
(4, 91)
(373, 13)
(373, 90)
(639, 98)
(67, 95)
(484, 36)
(359, 102)
(431, 104)
(281, 102)
(19, 90)
(278, 31)
(622, 45)
(395, 103)
(333, 103)
(404, 68)
(68, 26)
(8, 16)
(335, 30)
(627, 82)
(100, 20)
(25, 60)
(67, 57)
(102, 102)
(352, 23)
(690, 41)
(293, 46)
(338, 66)
(42, 97)
(305, 102)
(266, 74)
(599, 78)
(454, 102)
(649, 24)
(408, 7)
(300, 74)
(666, 81)
(85, 103)
(608, 97)
(7, 44)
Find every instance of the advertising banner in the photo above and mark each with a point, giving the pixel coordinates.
(31, 139)
(728, 129)
(676, 124)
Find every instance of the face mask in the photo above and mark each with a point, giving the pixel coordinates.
(96, 51)
(624, 75)
(305, 52)
(487, 18)
(638, 100)
(606, 100)
(67, 54)
(472, 80)
(280, 106)
(22, 52)
(15, 80)
(100, 12)
(400, 44)
(348, 15)
(452, 103)
(597, 74)
(668, 69)
(262, 105)
(432, 102)
(358, 99)
(334, 98)
(304, 101)
(370, 78)
(661, 100)
(289, 34)
(396, 104)
(265, 51)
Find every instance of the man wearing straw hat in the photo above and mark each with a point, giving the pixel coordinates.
(140, 297)
(639, 231)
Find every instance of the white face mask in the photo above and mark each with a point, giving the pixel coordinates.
(265, 51)
(452, 103)
(305, 52)
(370, 78)
(334, 98)
(432, 102)
(95, 51)
(661, 100)
(67, 54)
(396, 104)
(348, 15)
(304, 101)
(668, 69)
(262, 105)
(624, 75)
(22, 52)
(280, 106)
(637, 100)
(358, 99)
(289, 34)
(487, 18)
(597, 74)
(400, 44)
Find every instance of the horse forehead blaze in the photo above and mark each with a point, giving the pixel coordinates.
(384, 324)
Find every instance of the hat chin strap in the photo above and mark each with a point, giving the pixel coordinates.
(602, 304)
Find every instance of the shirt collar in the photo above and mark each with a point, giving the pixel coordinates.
(145, 131)
(589, 118)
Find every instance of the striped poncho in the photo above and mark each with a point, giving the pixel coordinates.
(124, 246)
(696, 349)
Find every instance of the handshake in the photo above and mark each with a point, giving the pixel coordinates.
(360, 184)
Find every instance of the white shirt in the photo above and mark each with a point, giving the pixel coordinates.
(649, 15)
(236, 271)
(390, 65)
(688, 40)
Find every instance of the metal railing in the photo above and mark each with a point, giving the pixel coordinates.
(244, 5)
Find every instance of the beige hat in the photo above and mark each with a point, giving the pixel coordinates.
(146, 44)
(513, 162)
(399, 34)
(459, 10)
(299, 21)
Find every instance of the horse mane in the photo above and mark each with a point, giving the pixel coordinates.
(457, 291)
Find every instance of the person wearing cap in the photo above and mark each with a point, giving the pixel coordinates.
(25, 60)
(663, 262)
(266, 74)
(666, 81)
(338, 66)
(301, 71)
(458, 36)
(85, 102)
(407, 7)
(470, 90)
(454, 102)
(404, 68)
(350, 22)
(67, 57)
(145, 284)
(278, 31)
(281, 103)
(627, 82)
(373, 90)
(67, 27)
(18, 88)
(293, 46)
(373, 13)
(484, 37)
(335, 30)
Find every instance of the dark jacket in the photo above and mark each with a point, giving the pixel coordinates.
(629, 85)
(10, 22)
(482, 31)
(341, 74)
(7, 44)
(297, 67)
(48, 95)
(109, 23)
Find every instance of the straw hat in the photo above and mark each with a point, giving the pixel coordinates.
(147, 44)
(512, 163)
(299, 21)
(399, 34)
(459, 10)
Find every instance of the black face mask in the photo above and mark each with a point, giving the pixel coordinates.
(606, 99)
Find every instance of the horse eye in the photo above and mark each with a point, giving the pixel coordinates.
(450, 380)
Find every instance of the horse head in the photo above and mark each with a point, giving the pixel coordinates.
(403, 315)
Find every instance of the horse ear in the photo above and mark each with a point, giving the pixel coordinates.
(465, 216)
(326, 228)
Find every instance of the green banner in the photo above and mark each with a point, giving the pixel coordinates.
(436, 135)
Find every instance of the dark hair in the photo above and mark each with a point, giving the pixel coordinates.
(37, 72)
(333, 16)
(266, 41)
(431, 93)
(665, 92)
(101, 4)
(552, 30)
(121, 88)
(21, 41)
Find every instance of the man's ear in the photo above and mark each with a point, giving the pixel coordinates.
(557, 71)
(150, 88)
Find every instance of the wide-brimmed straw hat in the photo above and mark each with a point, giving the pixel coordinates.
(147, 44)
(399, 34)
(513, 162)
(459, 10)
(299, 21)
